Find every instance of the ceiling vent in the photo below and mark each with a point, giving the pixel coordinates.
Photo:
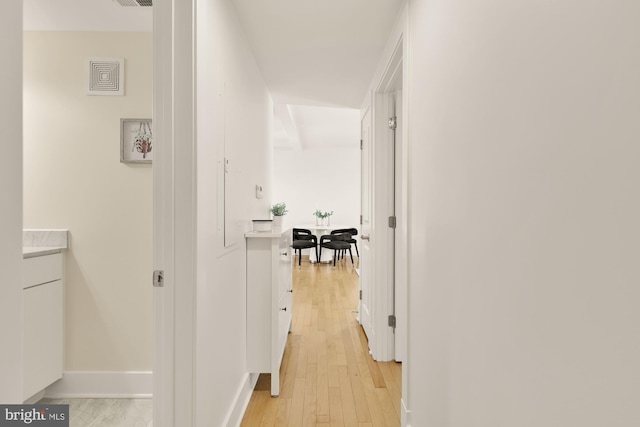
(105, 76)
(137, 3)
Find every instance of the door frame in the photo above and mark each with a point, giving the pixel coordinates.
(390, 268)
(174, 212)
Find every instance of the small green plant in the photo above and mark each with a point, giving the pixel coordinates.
(279, 209)
(318, 213)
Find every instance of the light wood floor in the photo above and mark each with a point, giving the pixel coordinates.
(328, 378)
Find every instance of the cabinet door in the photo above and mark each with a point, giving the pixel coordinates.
(42, 336)
(41, 269)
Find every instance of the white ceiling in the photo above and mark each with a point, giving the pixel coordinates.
(300, 127)
(311, 53)
(318, 52)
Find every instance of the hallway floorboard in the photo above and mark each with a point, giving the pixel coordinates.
(328, 378)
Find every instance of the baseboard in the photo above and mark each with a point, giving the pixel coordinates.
(404, 414)
(35, 398)
(241, 400)
(102, 384)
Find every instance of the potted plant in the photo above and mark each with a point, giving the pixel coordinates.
(278, 211)
(323, 218)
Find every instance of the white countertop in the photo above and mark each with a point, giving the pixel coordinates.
(275, 232)
(39, 242)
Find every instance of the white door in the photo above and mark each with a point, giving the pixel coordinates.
(366, 286)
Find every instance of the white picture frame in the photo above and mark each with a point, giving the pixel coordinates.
(136, 141)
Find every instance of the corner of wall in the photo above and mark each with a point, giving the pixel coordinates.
(241, 401)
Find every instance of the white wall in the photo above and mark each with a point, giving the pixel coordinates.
(74, 179)
(11, 196)
(523, 299)
(325, 178)
(234, 111)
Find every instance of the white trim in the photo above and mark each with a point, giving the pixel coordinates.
(35, 398)
(102, 384)
(241, 401)
(11, 190)
(163, 312)
(405, 415)
(174, 209)
(402, 232)
(404, 229)
(392, 61)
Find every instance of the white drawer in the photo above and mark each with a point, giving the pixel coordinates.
(42, 269)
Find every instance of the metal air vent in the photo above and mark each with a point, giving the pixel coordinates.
(105, 76)
(137, 3)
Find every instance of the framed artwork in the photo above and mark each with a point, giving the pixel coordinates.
(136, 141)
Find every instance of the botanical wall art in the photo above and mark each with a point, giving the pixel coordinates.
(136, 141)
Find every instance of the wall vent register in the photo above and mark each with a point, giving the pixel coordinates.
(105, 76)
(135, 3)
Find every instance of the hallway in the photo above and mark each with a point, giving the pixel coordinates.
(327, 375)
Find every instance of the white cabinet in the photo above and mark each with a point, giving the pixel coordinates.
(269, 302)
(42, 322)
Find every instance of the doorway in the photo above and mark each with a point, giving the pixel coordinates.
(74, 178)
(384, 187)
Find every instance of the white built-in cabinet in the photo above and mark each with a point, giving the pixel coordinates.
(42, 322)
(269, 302)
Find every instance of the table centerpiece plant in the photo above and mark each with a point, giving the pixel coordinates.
(323, 218)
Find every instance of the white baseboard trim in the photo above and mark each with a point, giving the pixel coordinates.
(404, 415)
(241, 400)
(102, 384)
(34, 399)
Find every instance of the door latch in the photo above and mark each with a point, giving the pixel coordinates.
(158, 279)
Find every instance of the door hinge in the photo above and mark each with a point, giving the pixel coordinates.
(392, 222)
(392, 320)
(158, 279)
(360, 219)
(393, 123)
(360, 294)
(361, 144)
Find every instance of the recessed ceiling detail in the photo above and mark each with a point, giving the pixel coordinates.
(105, 76)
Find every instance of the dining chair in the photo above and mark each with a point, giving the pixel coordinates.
(304, 239)
(353, 232)
(339, 243)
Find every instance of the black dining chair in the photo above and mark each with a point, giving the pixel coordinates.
(304, 239)
(339, 243)
(353, 232)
